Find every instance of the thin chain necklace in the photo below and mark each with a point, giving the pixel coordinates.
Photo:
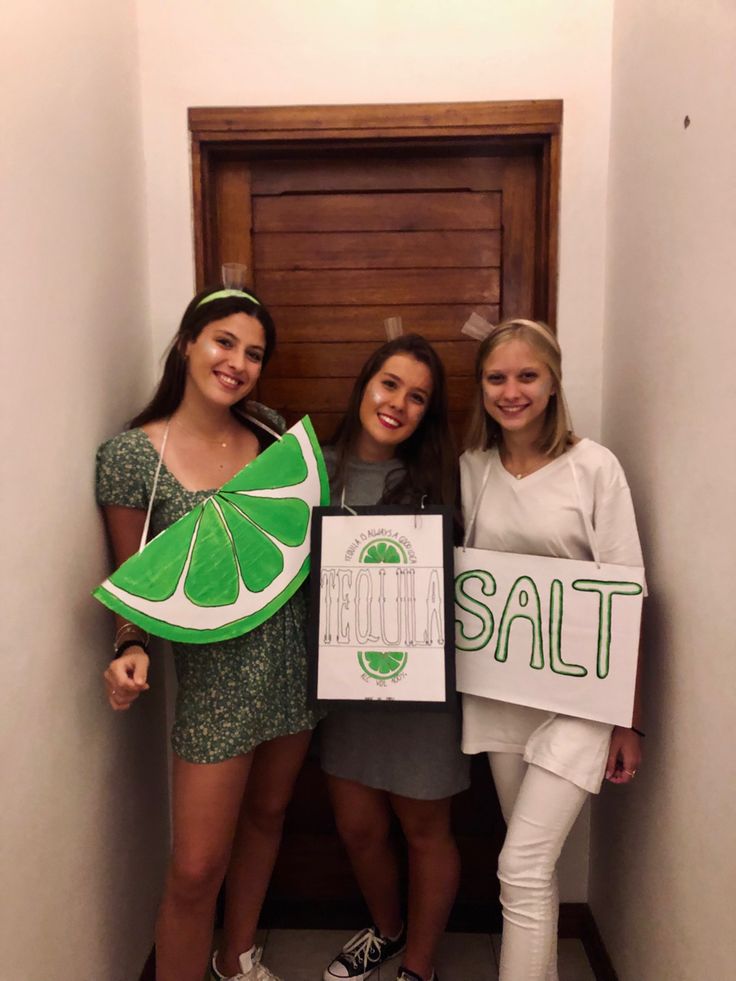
(524, 473)
(219, 441)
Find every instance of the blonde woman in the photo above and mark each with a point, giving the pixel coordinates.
(531, 486)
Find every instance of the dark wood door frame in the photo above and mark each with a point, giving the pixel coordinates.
(300, 131)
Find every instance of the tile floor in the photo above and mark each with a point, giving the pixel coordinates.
(301, 955)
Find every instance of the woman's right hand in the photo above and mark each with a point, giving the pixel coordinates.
(125, 678)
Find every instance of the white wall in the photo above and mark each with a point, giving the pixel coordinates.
(83, 811)
(287, 52)
(664, 858)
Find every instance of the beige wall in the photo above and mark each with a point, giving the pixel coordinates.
(663, 880)
(285, 52)
(82, 822)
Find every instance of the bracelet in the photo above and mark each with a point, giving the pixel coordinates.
(126, 628)
(122, 648)
(638, 731)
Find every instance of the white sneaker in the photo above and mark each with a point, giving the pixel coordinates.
(251, 968)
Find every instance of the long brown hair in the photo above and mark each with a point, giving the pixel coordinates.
(170, 391)
(428, 457)
(556, 435)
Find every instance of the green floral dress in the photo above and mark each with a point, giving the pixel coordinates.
(234, 694)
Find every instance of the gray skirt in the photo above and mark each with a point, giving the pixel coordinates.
(413, 753)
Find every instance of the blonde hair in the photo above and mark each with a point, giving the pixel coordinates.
(483, 431)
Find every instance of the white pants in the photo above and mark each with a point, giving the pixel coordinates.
(539, 809)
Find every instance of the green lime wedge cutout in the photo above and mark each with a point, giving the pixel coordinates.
(286, 518)
(262, 560)
(160, 575)
(284, 467)
(234, 560)
(212, 577)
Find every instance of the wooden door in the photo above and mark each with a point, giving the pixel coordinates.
(336, 244)
(346, 216)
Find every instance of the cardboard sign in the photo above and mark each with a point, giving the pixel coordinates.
(233, 560)
(381, 628)
(555, 634)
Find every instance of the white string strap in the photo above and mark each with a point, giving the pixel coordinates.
(343, 505)
(476, 506)
(589, 529)
(259, 422)
(144, 536)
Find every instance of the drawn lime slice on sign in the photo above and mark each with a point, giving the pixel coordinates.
(236, 558)
(382, 550)
(382, 664)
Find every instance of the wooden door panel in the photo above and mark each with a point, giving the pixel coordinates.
(371, 172)
(336, 360)
(377, 250)
(331, 394)
(377, 212)
(437, 322)
(355, 287)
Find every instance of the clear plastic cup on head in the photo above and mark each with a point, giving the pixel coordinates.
(394, 328)
(234, 275)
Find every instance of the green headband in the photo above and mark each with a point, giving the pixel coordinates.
(224, 294)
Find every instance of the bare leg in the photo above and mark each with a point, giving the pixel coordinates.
(206, 803)
(363, 817)
(434, 872)
(276, 765)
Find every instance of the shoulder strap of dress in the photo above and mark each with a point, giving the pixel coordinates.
(589, 529)
(476, 506)
(144, 535)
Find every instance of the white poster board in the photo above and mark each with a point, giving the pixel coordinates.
(381, 626)
(555, 634)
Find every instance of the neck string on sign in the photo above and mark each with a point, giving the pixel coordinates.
(144, 535)
(476, 506)
(344, 506)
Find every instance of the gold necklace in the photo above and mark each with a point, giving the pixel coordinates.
(524, 473)
(207, 439)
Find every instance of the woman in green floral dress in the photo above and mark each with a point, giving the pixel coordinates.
(242, 723)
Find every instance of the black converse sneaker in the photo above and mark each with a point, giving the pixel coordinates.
(363, 954)
(406, 975)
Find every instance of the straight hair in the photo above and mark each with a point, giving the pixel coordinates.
(170, 390)
(556, 435)
(428, 460)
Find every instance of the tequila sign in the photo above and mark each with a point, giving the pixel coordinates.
(382, 621)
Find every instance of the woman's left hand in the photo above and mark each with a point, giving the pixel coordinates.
(624, 755)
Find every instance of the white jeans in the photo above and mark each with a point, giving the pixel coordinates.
(539, 809)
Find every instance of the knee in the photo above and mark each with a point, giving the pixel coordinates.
(359, 835)
(267, 814)
(522, 873)
(195, 879)
(428, 836)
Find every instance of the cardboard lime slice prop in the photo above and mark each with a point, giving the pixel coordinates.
(236, 558)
